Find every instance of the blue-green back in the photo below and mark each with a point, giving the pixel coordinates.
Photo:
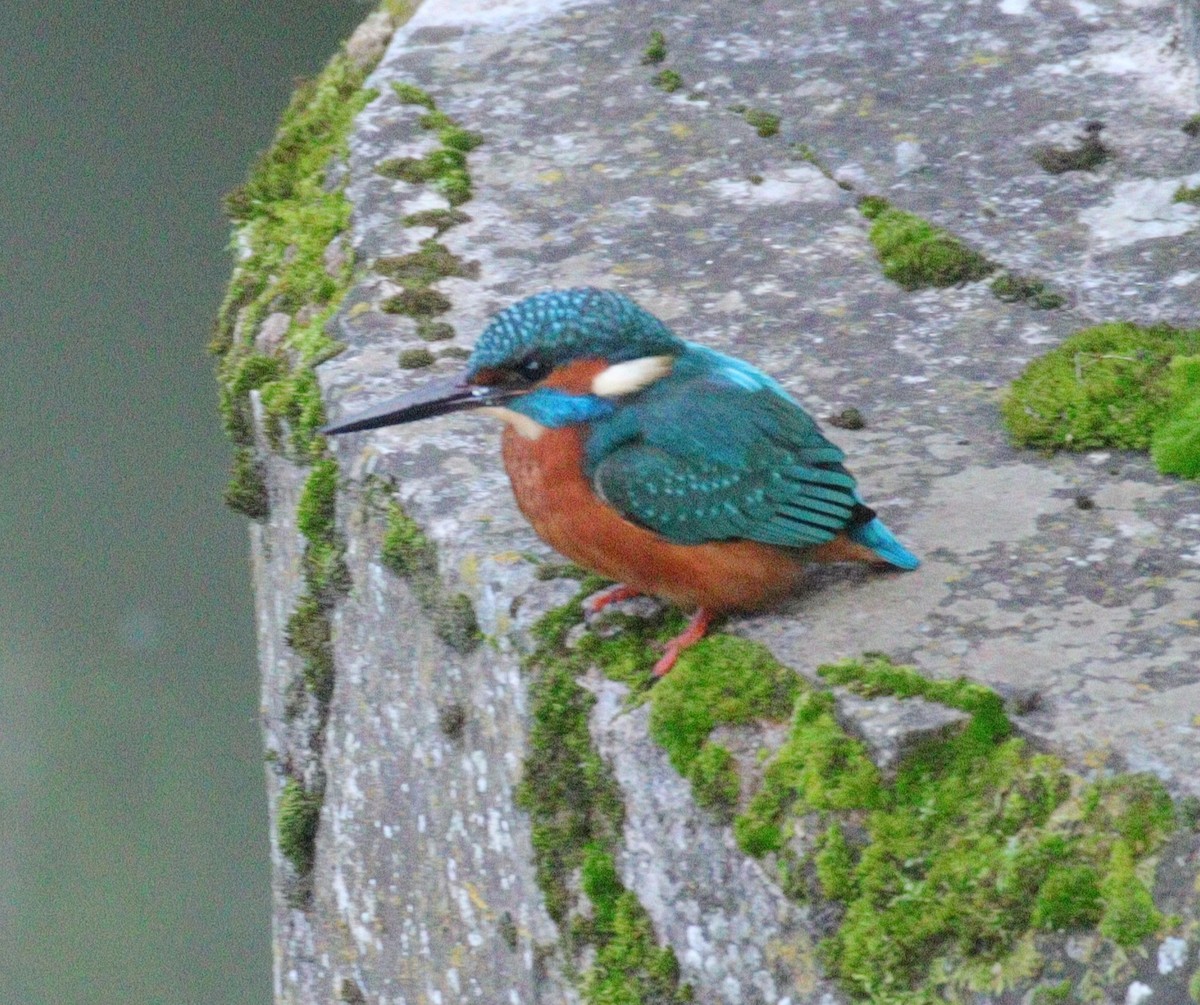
(717, 450)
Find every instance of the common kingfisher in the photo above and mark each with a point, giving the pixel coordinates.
(659, 463)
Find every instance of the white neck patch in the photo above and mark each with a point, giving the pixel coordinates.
(523, 424)
(631, 376)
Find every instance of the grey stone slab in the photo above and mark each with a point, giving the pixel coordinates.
(592, 175)
(893, 727)
(756, 948)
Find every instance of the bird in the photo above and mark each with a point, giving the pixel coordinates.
(661, 464)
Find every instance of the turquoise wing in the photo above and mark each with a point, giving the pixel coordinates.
(718, 451)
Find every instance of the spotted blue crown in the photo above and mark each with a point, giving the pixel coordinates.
(562, 325)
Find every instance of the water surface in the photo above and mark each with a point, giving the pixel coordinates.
(133, 831)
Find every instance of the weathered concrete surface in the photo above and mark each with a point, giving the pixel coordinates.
(754, 946)
(592, 175)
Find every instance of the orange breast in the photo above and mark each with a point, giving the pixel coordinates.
(550, 488)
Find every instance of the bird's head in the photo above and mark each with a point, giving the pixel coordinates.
(550, 360)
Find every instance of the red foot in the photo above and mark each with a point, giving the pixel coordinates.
(695, 631)
(595, 604)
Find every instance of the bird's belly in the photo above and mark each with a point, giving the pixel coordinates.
(550, 489)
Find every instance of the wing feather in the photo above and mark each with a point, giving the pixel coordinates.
(717, 451)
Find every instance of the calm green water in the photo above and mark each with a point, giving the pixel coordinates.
(133, 833)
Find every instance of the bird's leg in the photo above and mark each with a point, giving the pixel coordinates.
(696, 630)
(595, 604)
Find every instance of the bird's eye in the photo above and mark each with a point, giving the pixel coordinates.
(531, 369)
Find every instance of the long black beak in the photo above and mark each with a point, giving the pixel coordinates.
(437, 397)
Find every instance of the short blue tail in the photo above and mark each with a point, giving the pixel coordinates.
(883, 542)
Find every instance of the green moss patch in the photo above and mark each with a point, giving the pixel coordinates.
(298, 816)
(318, 502)
(440, 219)
(819, 766)
(916, 254)
(326, 578)
(722, 681)
(947, 873)
(445, 168)
(1129, 915)
(249, 372)
(1114, 385)
(567, 789)
(667, 80)
(406, 549)
(764, 123)
(325, 570)
(945, 880)
(1175, 445)
(1087, 155)
(247, 489)
(419, 303)
(1012, 288)
(420, 268)
(1187, 194)
(576, 817)
(309, 634)
(410, 94)
(629, 965)
(1052, 994)
(656, 51)
(287, 217)
(415, 359)
(435, 331)
(407, 552)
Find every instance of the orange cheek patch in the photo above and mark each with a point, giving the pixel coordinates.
(488, 377)
(576, 377)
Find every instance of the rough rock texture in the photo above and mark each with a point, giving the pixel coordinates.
(755, 946)
(423, 888)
